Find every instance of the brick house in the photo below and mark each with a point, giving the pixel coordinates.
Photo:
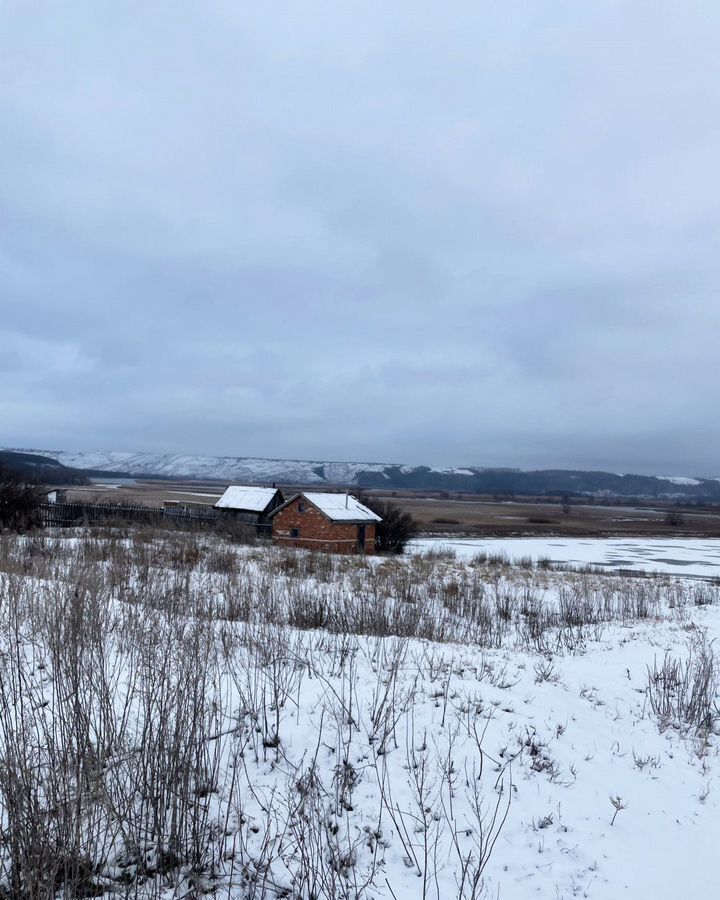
(335, 523)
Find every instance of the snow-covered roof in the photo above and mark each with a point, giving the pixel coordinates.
(337, 507)
(250, 499)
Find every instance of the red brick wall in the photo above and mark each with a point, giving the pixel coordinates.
(317, 532)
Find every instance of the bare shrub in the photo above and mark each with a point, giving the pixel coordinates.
(674, 518)
(395, 529)
(684, 692)
(151, 739)
(19, 501)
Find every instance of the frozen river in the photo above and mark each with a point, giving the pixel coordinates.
(678, 556)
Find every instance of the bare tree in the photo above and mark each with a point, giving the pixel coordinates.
(674, 518)
(19, 501)
(395, 530)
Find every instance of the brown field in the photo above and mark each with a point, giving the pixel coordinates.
(528, 516)
(148, 492)
(460, 514)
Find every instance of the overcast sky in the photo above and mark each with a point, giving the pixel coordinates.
(453, 233)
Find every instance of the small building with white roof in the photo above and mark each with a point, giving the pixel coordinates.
(250, 504)
(335, 523)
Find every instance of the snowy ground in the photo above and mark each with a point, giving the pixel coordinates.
(681, 556)
(264, 723)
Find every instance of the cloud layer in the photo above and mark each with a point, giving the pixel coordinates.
(468, 233)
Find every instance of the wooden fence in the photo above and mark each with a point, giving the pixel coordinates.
(67, 515)
(64, 515)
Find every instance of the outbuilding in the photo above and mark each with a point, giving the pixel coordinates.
(335, 523)
(249, 504)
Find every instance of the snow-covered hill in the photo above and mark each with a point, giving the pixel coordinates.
(478, 480)
(225, 468)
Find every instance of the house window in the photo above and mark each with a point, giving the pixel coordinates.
(294, 532)
(301, 506)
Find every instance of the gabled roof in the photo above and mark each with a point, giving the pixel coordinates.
(247, 498)
(337, 507)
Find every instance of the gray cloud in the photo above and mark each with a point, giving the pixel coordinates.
(475, 234)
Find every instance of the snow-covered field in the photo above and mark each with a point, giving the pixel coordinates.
(680, 556)
(180, 716)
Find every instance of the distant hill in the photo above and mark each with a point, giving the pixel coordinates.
(41, 468)
(477, 480)
(546, 482)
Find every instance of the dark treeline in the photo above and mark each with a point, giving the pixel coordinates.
(541, 483)
(41, 469)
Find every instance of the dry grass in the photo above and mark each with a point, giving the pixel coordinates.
(150, 678)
